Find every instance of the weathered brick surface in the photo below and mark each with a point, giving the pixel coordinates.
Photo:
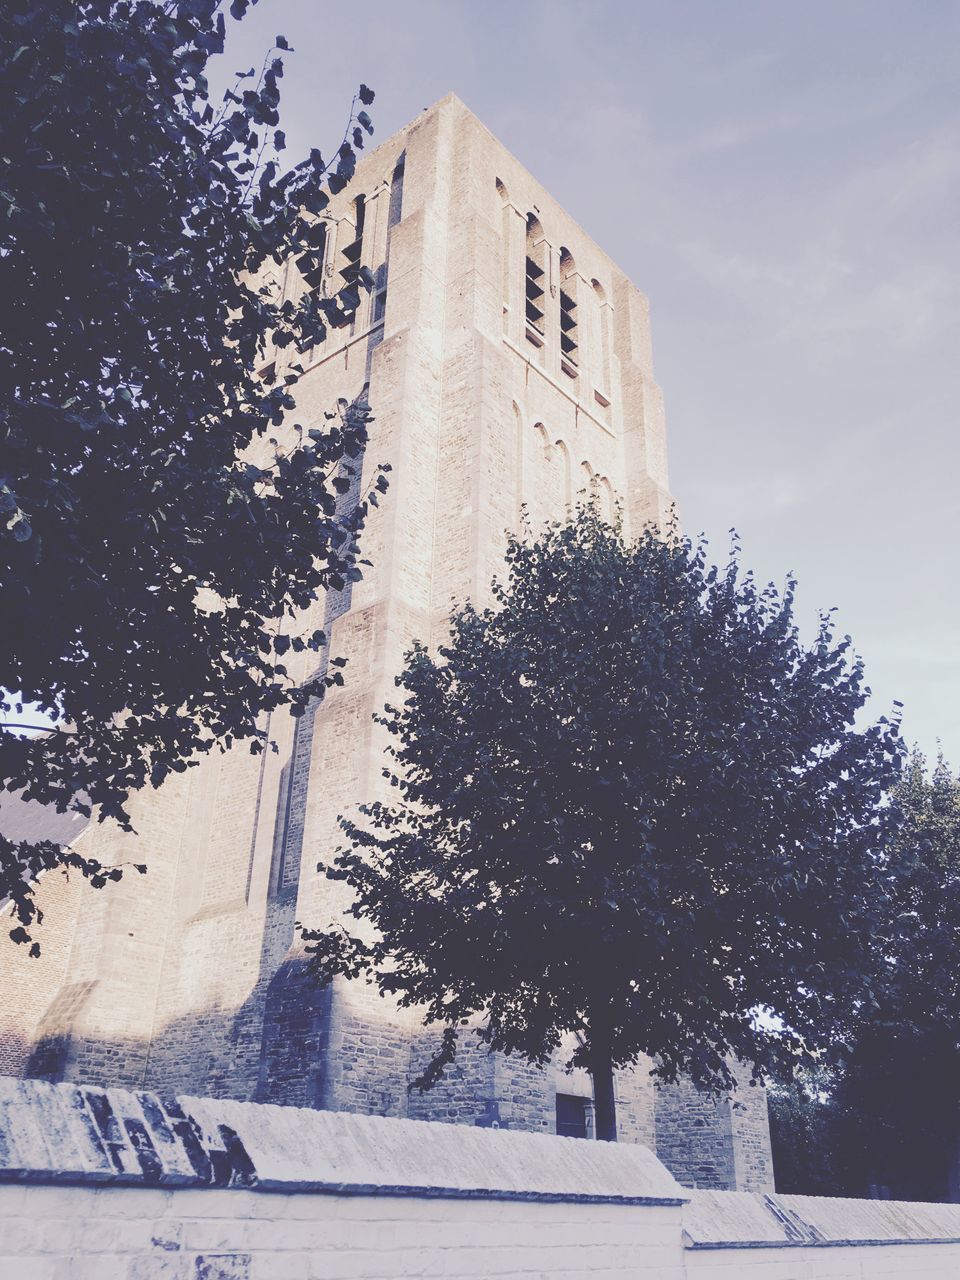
(191, 979)
(715, 1145)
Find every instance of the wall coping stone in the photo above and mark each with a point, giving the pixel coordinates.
(750, 1220)
(80, 1134)
(68, 1133)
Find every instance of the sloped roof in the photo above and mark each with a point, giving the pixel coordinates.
(29, 820)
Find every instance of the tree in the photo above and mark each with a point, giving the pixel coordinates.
(631, 805)
(897, 1090)
(155, 540)
(805, 1125)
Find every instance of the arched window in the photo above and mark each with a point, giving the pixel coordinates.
(352, 259)
(313, 279)
(569, 322)
(534, 280)
(603, 326)
(507, 259)
(396, 192)
(394, 214)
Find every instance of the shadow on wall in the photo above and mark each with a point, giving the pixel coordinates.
(215, 1052)
(295, 1044)
(343, 1049)
(270, 1047)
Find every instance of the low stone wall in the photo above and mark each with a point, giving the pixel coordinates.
(732, 1234)
(108, 1185)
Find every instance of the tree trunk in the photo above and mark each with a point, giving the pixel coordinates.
(604, 1102)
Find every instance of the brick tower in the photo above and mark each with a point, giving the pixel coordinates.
(508, 363)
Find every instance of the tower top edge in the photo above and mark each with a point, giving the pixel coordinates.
(526, 190)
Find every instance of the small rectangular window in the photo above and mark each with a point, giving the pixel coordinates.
(379, 306)
(572, 1114)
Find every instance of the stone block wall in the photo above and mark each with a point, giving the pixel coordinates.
(192, 978)
(715, 1144)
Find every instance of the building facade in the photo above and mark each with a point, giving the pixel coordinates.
(508, 366)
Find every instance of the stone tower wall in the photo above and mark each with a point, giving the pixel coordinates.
(191, 979)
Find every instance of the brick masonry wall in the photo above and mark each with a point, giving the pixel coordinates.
(30, 985)
(721, 1144)
(192, 978)
(693, 1137)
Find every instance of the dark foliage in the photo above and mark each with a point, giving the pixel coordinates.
(900, 1087)
(154, 539)
(886, 1119)
(631, 805)
(804, 1136)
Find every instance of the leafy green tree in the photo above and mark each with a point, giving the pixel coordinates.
(897, 1091)
(630, 805)
(805, 1135)
(138, 391)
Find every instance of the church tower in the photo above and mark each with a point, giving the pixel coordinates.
(507, 363)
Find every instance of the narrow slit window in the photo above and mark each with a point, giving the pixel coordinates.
(535, 281)
(352, 260)
(569, 321)
(534, 295)
(316, 288)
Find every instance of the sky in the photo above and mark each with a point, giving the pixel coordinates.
(783, 181)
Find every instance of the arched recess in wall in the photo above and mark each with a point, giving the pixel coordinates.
(545, 478)
(608, 500)
(313, 278)
(550, 479)
(599, 488)
(603, 334)
(569, 314)
(535, 281)
(566, 465)
(351, 257)
(270, 288)
(520, 467)
(505, 260)
(587, 478)
(394, 214)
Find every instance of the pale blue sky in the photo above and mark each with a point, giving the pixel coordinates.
(783, 181)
